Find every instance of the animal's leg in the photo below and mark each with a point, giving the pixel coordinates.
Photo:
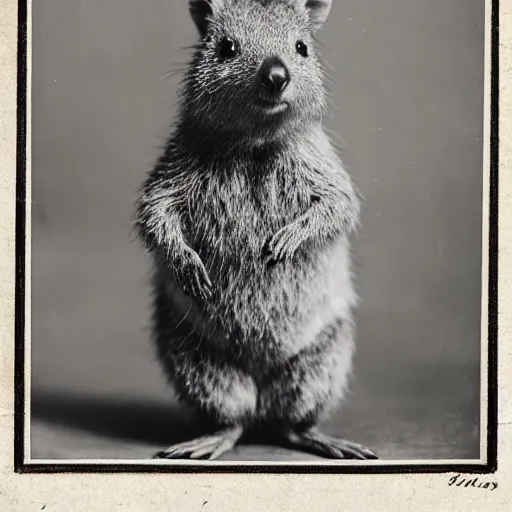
(313, 381)
(208, 381)
(222, 393)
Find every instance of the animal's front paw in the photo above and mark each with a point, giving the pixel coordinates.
(283, 245)
(193, 276)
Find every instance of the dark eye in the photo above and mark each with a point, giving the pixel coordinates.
(228, 48)
(302, 48)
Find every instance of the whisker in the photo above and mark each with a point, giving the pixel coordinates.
(172, 73)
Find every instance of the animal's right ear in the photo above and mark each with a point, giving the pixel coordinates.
(202, 11)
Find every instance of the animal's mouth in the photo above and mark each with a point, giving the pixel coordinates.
(272, 105)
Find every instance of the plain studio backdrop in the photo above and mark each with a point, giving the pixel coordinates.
(407, 100)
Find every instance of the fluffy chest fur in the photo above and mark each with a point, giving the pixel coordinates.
(234, 207)
(259, 311)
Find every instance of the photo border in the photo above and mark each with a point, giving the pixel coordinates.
(21, 466)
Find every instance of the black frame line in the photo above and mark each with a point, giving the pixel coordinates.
(19, 350)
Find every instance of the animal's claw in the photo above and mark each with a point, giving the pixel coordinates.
(193, 277)
(208, 446)
(330, 447)
(283, 245)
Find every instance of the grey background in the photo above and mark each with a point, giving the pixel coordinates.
(408, 102)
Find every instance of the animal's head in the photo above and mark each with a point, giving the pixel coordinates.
(256, 70)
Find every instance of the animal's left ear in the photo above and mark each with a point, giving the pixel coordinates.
(318, 11)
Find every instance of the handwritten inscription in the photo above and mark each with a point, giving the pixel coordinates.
(473, 482)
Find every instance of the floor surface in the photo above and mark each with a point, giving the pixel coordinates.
(407, 420)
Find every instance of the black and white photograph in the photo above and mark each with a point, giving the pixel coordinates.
(257, 234)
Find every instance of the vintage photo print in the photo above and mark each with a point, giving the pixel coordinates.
(257, 236)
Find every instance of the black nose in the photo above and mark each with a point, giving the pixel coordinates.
(273, 75)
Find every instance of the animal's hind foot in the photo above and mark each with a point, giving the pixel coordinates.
(211, 447)
(330, 447)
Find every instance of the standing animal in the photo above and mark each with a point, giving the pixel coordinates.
(247, 214)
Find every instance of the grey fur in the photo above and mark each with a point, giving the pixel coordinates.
(248, 216)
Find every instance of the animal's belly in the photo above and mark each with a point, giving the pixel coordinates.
(261, 313)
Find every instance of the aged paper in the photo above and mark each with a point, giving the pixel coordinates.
(163, 492)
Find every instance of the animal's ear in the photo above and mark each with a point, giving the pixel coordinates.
(202, 11)
(318, 11)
